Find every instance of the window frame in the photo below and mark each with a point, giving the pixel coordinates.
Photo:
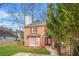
(34, 41)
(34, 29)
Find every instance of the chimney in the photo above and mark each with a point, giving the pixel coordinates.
(28, 20)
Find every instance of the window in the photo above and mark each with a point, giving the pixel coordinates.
(37, 41)
(34, 41)
(33, 29)
(49, 40)
(31, 42)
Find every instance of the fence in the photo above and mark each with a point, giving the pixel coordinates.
(72, 49)
(7, 43)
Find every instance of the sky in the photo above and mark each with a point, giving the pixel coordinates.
(5, 10)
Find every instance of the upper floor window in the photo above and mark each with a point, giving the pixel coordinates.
(33, 29)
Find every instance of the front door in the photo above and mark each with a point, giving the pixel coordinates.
(48, 41)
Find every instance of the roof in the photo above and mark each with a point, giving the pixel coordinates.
(34, 34)
(6, 31)
(36, 23)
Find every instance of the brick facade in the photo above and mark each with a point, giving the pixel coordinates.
(39, 30)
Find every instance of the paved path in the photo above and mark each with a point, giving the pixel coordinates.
(53, 52)
(29, 54)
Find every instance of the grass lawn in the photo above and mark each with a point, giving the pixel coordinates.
(10, 50)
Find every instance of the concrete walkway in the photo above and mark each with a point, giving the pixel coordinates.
(53, 52)
(28, 54)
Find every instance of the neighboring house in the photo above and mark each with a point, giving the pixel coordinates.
(20, 35)
(7, 34)
(34, 35)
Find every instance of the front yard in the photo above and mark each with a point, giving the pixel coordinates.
(10, 50)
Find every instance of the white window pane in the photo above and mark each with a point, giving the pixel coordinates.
(34, 41)
(31, 41)
(37, 41)
(33, 29)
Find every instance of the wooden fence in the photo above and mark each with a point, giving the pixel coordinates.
(7, 43)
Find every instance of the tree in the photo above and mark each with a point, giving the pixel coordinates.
(64, 26)
(71, 14)
(53, 23)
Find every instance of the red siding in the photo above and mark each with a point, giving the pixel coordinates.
(30, 29)
(36, 29)
(44, 29)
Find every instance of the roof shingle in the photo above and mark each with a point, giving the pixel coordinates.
(36, 23)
